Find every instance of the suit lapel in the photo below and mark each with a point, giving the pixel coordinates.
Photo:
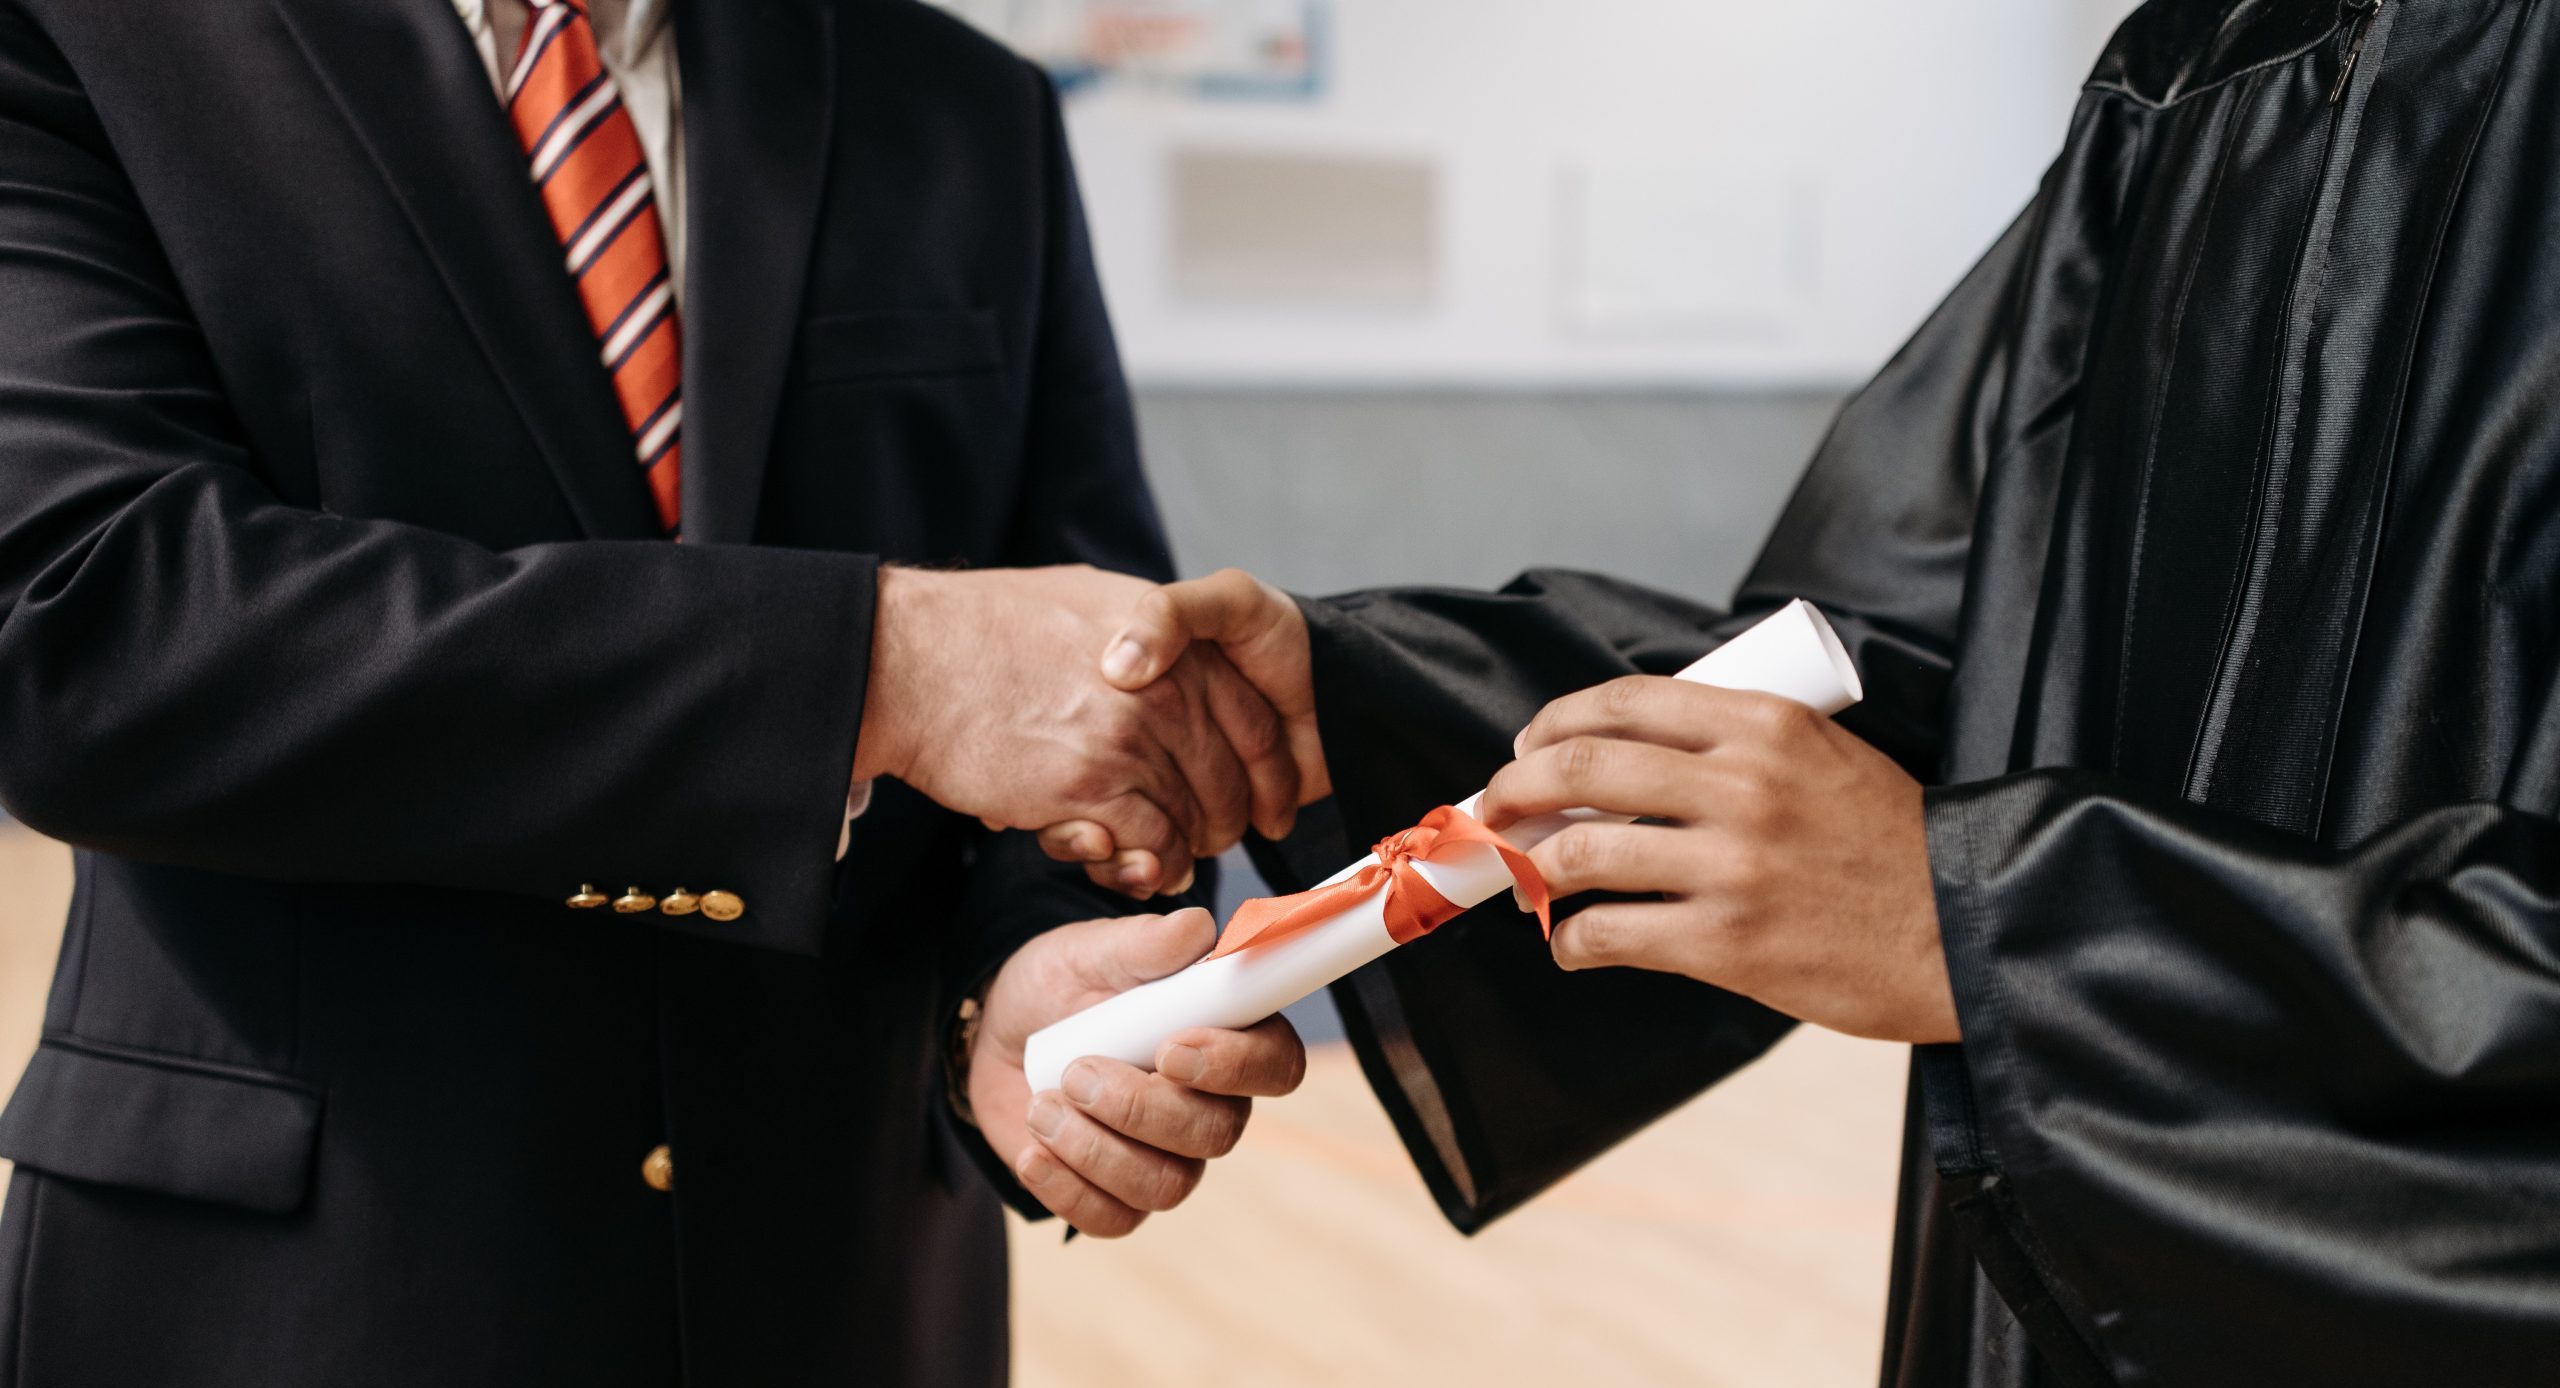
(758, 117)
(406, 76)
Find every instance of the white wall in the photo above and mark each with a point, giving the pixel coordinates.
(1909, 131)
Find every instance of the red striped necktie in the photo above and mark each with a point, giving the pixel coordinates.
(595, 183)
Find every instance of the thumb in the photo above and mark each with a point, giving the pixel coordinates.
(1121, 954)
(1222, 607)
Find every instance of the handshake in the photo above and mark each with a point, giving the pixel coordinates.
(1138, 730)
(1075, 702)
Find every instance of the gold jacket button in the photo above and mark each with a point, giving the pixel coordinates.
(658, 1168)
(588, 898)
(633, 901)
(723, 906)
(680, 903)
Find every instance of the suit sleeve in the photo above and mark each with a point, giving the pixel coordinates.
(1502, 1072)
(193, 672)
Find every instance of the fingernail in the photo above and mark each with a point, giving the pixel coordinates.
(1047, 1114)
(1520, 899)
(1180, 1063)
(1083, 1083)
(1123, 661)
(1134, 880)
(1185, 884)
(1035, 1167)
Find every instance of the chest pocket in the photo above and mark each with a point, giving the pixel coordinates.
(891, 344)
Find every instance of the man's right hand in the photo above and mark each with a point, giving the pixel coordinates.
(983, 695)
(1260, 633)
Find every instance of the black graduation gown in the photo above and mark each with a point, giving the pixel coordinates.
(2200, 552)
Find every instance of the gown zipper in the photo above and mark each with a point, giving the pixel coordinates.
(2358, 15)
(2244, 618)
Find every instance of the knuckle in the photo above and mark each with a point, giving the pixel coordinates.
(1162, 699)
(1117, 1105)
(1784, 719)
(1748, 871)
(1092, 783)
(1117, 814)
(1125, 737)
(1162, 839)
(1073, 1146)
(1168, 1183)
(1293, 1070)
(1580, 852)
(1258, 737)
(1220, 1130)
(1105, 1221)
(1133, 820)
(1581, 762)
(1540, 729)
(1756, 809)
(1066, 1207)
(1623, 696)
(1601, 938)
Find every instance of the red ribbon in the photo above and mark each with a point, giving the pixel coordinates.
(1413, 908)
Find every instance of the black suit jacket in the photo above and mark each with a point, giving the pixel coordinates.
(334, 633)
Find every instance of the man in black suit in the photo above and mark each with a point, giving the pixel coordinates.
(452, 671)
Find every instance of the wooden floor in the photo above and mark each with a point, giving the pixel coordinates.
(35, 884)
(1740, 1242)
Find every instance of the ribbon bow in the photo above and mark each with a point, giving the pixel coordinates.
(1413, 908)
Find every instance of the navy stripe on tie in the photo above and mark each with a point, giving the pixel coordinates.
(641, 429)
(666, 304)
(604, 205)
(605, 333)
(526, 62)
(567, 109)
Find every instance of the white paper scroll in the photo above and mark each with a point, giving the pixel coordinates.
(1792, 653)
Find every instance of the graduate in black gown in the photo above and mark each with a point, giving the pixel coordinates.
(2201, 554)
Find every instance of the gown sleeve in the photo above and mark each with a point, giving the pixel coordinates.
(2249, 1109)
(1501, 1072)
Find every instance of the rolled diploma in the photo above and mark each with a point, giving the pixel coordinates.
(1792, 653)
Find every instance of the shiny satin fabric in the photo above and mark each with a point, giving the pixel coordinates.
(2203, 552)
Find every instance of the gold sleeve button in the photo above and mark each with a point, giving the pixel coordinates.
(633, 901)
(588, 898)
(723, 906)
(658, 1169)
(680, 903)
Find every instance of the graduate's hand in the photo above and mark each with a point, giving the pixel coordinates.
(1118, 1143)
(983, 695)
(1257, 630)
(1794, 867)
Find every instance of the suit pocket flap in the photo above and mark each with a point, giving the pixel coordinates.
(854, 346)
(163, 1123)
